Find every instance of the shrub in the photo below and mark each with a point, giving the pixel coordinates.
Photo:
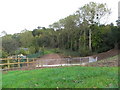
(57, 50)
(32, 50)
(84, 51)
(3, 54)
(22, 51)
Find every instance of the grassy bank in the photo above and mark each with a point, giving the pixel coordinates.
(65, 77)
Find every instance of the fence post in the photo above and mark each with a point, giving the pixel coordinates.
(68, 61)
(33, 62)
(41, 63)
(8, 63)
(27, 62)
(19, 62)
(80, 60)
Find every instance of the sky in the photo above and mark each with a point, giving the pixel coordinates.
(17, 15)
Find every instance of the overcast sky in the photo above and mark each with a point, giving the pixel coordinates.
(17, 15)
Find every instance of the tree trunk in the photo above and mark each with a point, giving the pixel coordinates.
(116, 45)
(84, 38)
(68, 46)
(76, 45)
(90, 47)
(79, 44)
(58, 41)
(71, 44)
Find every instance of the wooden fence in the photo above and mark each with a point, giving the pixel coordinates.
(15, 61)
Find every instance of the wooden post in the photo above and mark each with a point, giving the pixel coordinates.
(27, 62)
(80, 60)
(33, 60)
(33, 64)
(8, 63)
(68, 60)
(41, 63)
(18, 62)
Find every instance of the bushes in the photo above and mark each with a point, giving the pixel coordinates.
(32, 50)
(36, 55)
(4, 54)
(57, 50)
(84, 51)
(22, 51)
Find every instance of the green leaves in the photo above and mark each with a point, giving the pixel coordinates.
(26, 39)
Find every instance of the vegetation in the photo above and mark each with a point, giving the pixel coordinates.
(68, 77)
(81, 32)
(61, 51)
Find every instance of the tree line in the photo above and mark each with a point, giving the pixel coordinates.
(81, 32)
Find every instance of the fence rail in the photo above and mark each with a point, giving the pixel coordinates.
(14, 61)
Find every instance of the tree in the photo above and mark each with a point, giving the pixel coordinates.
(26, 39)
(9, 44)
(115, 36)
(3, 33)
(92, 13)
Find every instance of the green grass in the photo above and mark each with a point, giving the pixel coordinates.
(49, 51)
(65, 77)
(61, 51)
(69, 53)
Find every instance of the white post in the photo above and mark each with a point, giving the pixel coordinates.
(96, 58)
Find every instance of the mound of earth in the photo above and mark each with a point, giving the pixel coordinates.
(105, 59)
(104, 55)
(50, 59)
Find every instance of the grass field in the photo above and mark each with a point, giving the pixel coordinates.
(64, 77)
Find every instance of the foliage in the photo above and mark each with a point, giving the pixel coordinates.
(4, 54)
(22, 51)
(35, 55)
(32, 49)
(84, 51)
(9, 44)
(26, 39)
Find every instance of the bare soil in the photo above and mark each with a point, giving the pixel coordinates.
(50, 59)
(104, 61)
(107, 54)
